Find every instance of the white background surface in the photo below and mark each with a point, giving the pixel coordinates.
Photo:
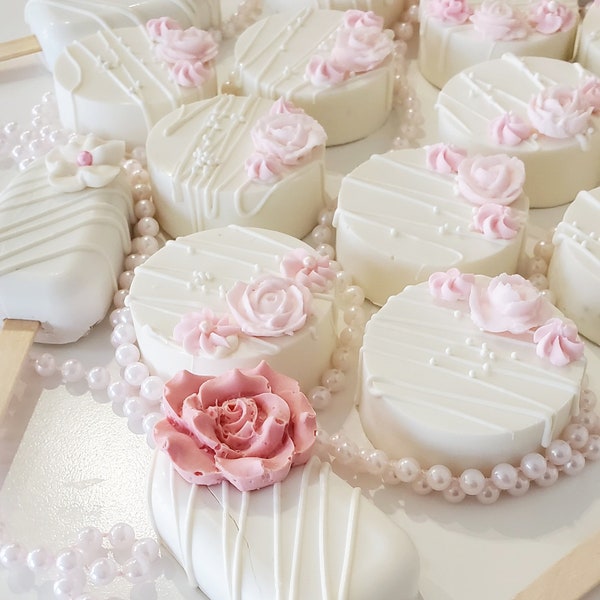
(67, 461)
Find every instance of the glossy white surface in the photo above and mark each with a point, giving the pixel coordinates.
(76, 464)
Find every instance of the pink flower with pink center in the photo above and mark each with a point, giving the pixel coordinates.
(203, 332)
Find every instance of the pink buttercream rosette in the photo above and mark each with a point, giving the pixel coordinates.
(508, 303)
(497, 20)
(509, 129)
(451, 285)
(269, 306)
(558, 341)
(550, 16)
(444, 158)
(310, 270)
(203, 332)
(248, 427)
(495, 221)
(497, 178)
(453, 12)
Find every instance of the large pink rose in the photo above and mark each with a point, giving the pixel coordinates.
(497, 20)
(559, 112)
(453, 12)
(248, 427)
(190, 44)
(508, 303)
(361, 49)
(269, 306)
(497, 178)
(290, 137)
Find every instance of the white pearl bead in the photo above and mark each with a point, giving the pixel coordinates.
(131, 166)
(543, 250)
(420, 485)
(454, 493)
(12, 555)
(504, 476)
(39, 559)
(342, 358)
(533, 465)
(326, 250)
(353, 295)
(98, 378)
(119, 298)
(152, 388)
(134, 408)
(575, 464)
(588, 418)
(125, 280)
(407, 469)
(136, 569)
(320, 397)
(144, 208)
(438, 477)
(376, 462)
(351, 336)
(345, 451)
(68, 560)
(521, 486)
(587, 400)
(135, 373)
(89, 539)
(121, 535)
(489, 494)
(120, 315)
(549, 477)
(119, 390)
(592, 449)
(355, 316)
(126, 354)
(72, 370)
(334, 380)
(558, 452)
(150, 421)
(147, 548)
(123, 333)
(67, 588)
(102, 571)
(45, 365)
(148, 226)
(472, 481)
(576, 435)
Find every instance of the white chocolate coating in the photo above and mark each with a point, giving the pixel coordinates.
(412, 225)
(390, 10)
(588, 48)
(446, 49)
(310, 536)
(197, 271)
(196, 158)
(271, 58)
(61, 253)
(556, 169)
(57, 23)
(435, 387)
(574, 270)
(111, 84)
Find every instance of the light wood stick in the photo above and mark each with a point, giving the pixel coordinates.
(16, 338)
(19, 47)
(571, 578)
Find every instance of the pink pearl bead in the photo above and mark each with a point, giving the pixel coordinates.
(90, 539)
(146, 245)
(326, 250)
(438, 477)
(119, 390)
(69, 560)
(543, 250)
(85, 158)
(504, 476)
(549, 477)
(472, 481)
(133, 408)
(321, 234)
(407, 469)
(150, 421)
(12, 555)
(558, 452)
(533, 465)
(587, 418)
(131, 165)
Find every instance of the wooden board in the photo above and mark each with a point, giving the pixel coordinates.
(19, 47)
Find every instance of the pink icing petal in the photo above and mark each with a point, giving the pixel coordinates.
(233, 384)
(191, 44)
(359, 18)
(182, 385)
(203, 332)
(444, 158)
(453, 12)
(157, 28)
(496, 222)
(558, 341)
(590, 93)
(550, 16)
(451, 286)
(310, 270)
(498, 20)
(509, 129)
(322, 71)
(497, 178)
(264, 168)
(189, 73)
(303, 431)
(361, 49)
(281, 106)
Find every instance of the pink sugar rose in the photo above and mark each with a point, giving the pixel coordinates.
(203, 332)
(444, 158)
(269, 306)
(451, 286)
(497, 20)
(558, 341)
(496, 221)
(265, 168)
(496, 178)
(550, 16)
(191, 44)
(559, 112)
(590, 93)
(188, 73)
(281, 106)
(509, 303)
(290, 137)
(157, 28)
(361, 49)
(360, 18)
(509, 129)
(311, 270)
(248, 427)
(453, 12)
(321, 71)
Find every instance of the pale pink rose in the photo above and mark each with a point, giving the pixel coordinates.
(453, 12)
(496, 221)
(509, 129)
(559, 112)
(361, 49)
(558, 341)
(291, 137)
(188, 73)
(497, 178)
(203, 332)
(190, 44)
(497, 20)
(321, 71)
(550, 16)
(590, 93)
(451, 286)
(444, 158)
(311, 270)
(281, 106)
(248, 427)
(509, 303)
(157, 28)
(360, 18)
(265, 168)
(270, 306)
